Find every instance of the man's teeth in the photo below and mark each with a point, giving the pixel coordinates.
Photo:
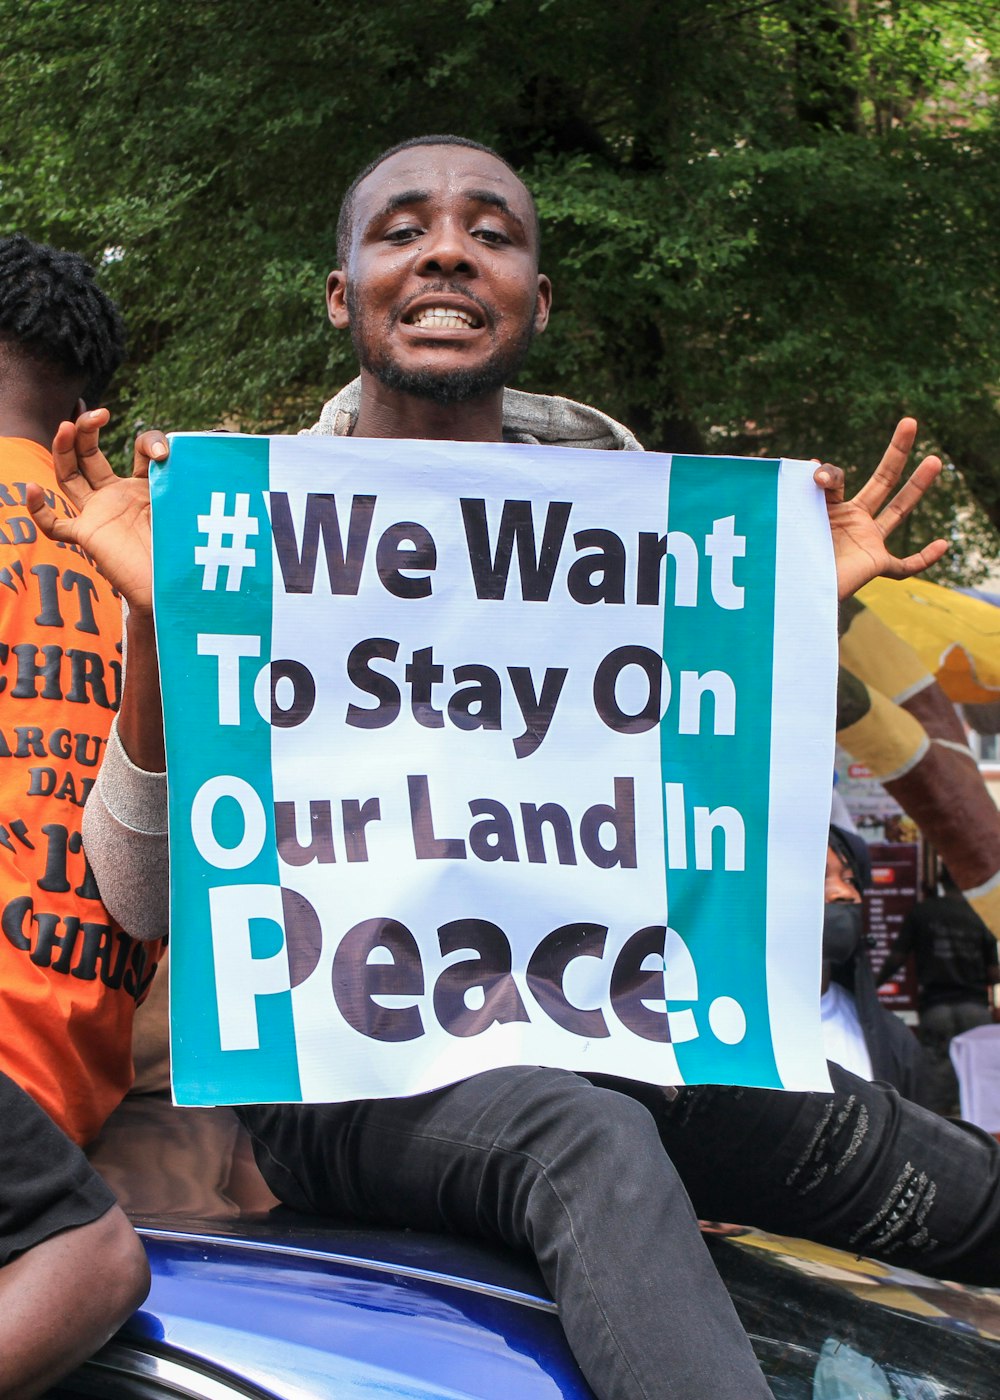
(447, 318)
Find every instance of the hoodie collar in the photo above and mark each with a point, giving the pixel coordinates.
(532, 418)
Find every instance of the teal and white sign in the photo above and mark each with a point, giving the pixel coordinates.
(483, 754)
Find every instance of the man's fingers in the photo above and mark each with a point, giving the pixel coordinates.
(909, 495)
(80, 464)
(913, 564)
(831, 479)
(91, 460)
(41, 513)
(882, 482)
(68, 473)
(150, 446)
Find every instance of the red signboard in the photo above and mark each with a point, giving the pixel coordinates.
(891, 896)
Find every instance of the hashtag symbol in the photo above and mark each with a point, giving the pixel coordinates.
(215, 553)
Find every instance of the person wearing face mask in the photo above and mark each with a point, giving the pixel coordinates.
(859, 1033)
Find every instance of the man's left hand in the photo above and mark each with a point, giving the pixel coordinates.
(860, 526)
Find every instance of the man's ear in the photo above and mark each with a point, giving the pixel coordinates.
(336, 300)
(543, 303)
(81, 407)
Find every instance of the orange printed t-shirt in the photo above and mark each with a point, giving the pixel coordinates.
(69, 976)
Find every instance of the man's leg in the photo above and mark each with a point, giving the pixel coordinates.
(543, 1160)
(72, 1269)
(862, 1169)
(939, 1024)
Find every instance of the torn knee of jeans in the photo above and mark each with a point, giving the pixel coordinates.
(900, 1221)
(834, 1143)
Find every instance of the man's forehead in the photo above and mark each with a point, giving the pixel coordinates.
(438, 170)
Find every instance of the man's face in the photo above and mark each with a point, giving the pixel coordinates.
(843, 924)
(841, 884)
(442, 292)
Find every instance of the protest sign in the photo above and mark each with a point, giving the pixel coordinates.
(483, 754)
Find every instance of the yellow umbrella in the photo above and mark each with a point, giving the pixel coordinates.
(956, 636)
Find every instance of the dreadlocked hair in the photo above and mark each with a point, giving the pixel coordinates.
(52, 310)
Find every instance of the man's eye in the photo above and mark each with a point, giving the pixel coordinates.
(491, 235)
(404, 234)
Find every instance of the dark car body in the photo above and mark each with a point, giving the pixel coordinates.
(251, 1300)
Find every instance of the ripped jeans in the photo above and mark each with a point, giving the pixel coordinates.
(574, 1169)
(865, 1171)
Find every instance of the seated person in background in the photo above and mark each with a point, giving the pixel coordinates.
(71, 1267)
(957, 968)
(859, 1033)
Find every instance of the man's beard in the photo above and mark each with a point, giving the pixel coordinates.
(443, 387)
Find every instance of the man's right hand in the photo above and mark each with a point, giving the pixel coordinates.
(113, 514)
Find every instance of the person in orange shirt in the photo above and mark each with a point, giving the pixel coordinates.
(69, 976)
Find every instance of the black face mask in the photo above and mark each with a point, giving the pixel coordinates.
(842, 930)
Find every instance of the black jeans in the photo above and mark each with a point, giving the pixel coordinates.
(939, 1024)
(862, 1170)
(576, 1171)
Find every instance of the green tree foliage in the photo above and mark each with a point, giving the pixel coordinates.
(771, 226)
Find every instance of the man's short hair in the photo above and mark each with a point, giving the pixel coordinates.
(52, 311)
(345, 219)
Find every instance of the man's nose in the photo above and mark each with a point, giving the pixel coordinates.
(448, 251)
(847, 895)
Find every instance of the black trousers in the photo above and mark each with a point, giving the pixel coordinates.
(602, 1182)
(939, 1024)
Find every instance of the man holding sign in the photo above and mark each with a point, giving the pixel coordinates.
(440, 289)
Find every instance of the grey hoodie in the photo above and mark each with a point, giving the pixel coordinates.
(544, 419)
